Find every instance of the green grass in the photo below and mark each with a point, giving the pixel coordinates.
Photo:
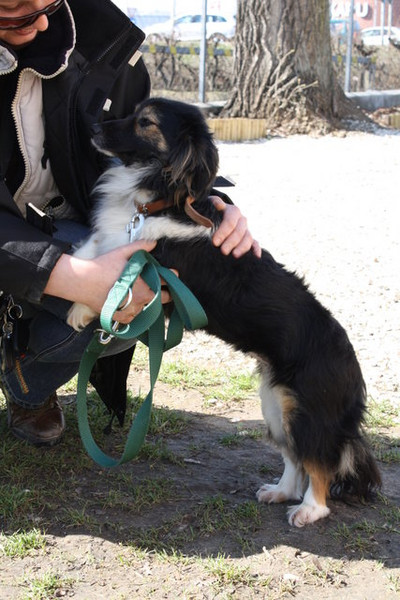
(226, 572)
(214, 384)
(155, 519)
(213, 516)
(47, 587)
(20, 544)
(382, 414)
(238, 438)
(382, 417)
(354, 538)
(139, 496)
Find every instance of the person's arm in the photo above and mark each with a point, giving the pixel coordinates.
(89, 281)
(27, 257)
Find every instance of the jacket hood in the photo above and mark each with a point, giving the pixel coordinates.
(48, 54)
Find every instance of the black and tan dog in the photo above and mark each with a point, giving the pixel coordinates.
(312, 391)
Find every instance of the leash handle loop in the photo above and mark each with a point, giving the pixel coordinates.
(149, 327)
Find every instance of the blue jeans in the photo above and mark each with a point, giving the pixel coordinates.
(54, 348)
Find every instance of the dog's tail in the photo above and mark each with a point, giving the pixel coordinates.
(358, 474)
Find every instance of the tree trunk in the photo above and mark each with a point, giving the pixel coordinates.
(283, 63)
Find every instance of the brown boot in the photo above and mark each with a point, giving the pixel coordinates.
(42, 426)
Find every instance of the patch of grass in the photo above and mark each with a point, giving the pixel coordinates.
(78, 517)
(14, 500)
(391, 515)
(226, 572)
(48, 586)
(386, 448)
(236, 387)
(237, 438)
(20, 544)
(381, 417)
(217, 384)
(355, 538)
(153, 491)
(381, 414)
(231, 576)
(167, 422)
(71, 385)
(266, 470)
(158, 451)
(394, 583)
(319, 571)
(213, 516)
(136, 497)
(217, 514)
(175, 557)
(163, 421)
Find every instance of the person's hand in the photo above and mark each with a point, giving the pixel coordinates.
(141, 295)
(233, 236)
(89, 281)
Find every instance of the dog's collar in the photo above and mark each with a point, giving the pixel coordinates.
(154, 207)
(158, 205)
(144, 210)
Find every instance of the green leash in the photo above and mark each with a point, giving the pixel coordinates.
(149, 328)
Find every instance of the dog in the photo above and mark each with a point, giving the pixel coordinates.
(312, 390)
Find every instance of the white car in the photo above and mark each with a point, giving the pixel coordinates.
(372, 36)
(189, 27)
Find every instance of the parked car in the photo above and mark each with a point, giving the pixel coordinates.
(372, 36)
(189, 27)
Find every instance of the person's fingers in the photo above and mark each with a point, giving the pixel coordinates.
(218, 202)
(165, 296)
(256, 248)
(231, 220)
(239, 239)
(140, 295)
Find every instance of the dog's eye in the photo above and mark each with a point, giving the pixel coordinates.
(144, 122)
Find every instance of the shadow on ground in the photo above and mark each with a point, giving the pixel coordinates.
(191, 492)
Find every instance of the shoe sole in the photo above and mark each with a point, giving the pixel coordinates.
(34, 441)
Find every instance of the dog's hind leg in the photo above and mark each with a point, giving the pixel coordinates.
(289, 487)
(314, 505)
(278, 403)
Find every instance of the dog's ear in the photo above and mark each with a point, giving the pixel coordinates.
(193, 164)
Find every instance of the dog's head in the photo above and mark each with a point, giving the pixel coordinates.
(172, 134)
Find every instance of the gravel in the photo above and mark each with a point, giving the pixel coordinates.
(328, 208)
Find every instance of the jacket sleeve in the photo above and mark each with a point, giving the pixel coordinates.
(27, 257)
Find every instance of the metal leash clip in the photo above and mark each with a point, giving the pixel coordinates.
(115, 327)
(134, 226)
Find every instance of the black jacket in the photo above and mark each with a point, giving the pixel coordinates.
(97, 70)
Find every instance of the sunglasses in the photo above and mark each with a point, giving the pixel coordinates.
(7, 23)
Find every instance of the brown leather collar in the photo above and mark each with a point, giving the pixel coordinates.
(153, 207)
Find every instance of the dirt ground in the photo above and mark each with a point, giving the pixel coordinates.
(182, 521)
(204, 536)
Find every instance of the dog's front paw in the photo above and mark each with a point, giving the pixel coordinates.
(272, 494)
(304, 514)
(280, 492)
(79, 316)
